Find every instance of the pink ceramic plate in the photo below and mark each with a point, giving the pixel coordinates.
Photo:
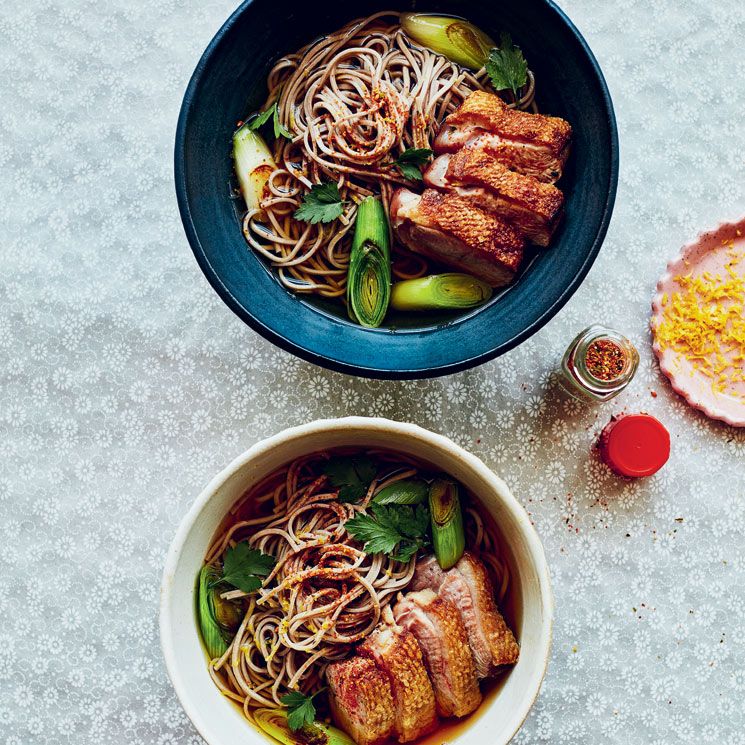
(711, 252)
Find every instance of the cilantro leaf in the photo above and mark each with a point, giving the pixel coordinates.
(507, 67)
(322, 204)
(396, 530)
(353, 476)
(279, 129)
(243, 567)
(272, 112)
(410, 160)
(262, 118)
(300, 709)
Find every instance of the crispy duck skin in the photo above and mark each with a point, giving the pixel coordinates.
(397, 654)
(441, 634)
(532, 207)
(361, 700)
(468, 588)
(533, 144)
(448, 228)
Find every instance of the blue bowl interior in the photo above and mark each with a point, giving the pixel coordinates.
(229, 83)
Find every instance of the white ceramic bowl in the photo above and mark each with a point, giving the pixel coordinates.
(220, 722)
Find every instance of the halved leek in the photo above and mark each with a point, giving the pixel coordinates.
(274, 723)
(455, 38)
(253, 164)
(406, 491)
(448, 536)
(450, 291)
(369, 277)
(208, 624)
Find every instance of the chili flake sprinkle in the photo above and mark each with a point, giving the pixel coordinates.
(605, 360)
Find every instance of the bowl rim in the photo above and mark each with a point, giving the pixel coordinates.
(373, 424)
(423, 370)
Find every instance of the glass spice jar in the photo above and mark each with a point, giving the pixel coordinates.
(598, 364)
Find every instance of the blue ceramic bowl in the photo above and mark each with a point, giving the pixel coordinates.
(229, 83)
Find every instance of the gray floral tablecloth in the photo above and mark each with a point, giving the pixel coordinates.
(126, 384)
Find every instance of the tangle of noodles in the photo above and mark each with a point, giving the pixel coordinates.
(354, 101)
(325, 593)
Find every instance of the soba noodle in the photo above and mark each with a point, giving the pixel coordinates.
(354, 101)
(325, 593)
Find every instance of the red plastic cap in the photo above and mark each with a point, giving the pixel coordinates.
(635, 445)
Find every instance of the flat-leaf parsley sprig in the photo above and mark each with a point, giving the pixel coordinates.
(322, 203)
(507, 67)
(243, 567)
(396, 530)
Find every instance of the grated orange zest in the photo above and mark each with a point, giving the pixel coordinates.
(703, 321)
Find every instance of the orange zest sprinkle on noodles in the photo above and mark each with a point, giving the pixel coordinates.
(704, 322)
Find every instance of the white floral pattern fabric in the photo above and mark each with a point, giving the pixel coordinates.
(126, 384)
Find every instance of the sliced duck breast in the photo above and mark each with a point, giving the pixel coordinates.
(361, 700)
(439, 629)
(448, 228)
(532, 207)
(532, 144)
(397, 654)
(468, 588)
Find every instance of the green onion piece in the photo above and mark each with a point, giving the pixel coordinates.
(450, 291)
(406, 491)
(253, 164)
(455, 38)
(274, 723)
(369, 278)
(448, 536)
(336, 736)
(208, 624)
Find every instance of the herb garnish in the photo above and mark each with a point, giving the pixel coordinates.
(353, 476)
(397, 530)
(300, 709)
(507, 67)
(322, 204)
(243, 567)
(410, 160)
(279, 129)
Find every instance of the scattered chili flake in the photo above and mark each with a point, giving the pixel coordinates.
(605, 360)
(653, 394)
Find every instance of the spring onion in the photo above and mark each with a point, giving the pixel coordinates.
(274, 723)
(208, 623)
(448, 536)
(406, 491)
(369, 278)
(450, 291)
(253, 164)
(455, 38)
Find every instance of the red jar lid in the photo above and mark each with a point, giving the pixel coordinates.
(635, 445)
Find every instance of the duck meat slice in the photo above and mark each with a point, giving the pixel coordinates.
(396, 652)
(450, 229)
(533, 144)
(361, 700)
(532, 207)
(439, 629)
(468, 588)
(428, 575)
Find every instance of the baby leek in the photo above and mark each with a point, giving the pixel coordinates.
(369, 277)
(274, 723)
(450, 291)
(208, 623)
(253, 164)
(448, 536)
(454, 38)
(406, 491)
